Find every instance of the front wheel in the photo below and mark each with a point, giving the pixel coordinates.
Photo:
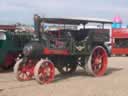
(44, 71)
(23, 70)
(97, 63)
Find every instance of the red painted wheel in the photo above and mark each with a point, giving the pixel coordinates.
(44, 71)
(98, 62)
(24, 71)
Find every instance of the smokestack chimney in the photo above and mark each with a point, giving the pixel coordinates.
(37, 25)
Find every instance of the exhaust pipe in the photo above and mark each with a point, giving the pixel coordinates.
(37, 26)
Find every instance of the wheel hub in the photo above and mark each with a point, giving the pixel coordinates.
(98, 60)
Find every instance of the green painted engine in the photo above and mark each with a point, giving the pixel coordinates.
(11, 44)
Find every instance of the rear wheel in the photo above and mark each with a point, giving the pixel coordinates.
(97, 63)
(44, 71)
(24, 70)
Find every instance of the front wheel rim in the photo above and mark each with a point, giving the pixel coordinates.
(24, 72)
(44, 72)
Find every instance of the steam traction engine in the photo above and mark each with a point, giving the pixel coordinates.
(64, 49)
(11, 44)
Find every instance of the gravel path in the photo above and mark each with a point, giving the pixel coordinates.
(114, 83)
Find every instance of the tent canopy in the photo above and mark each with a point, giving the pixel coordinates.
(75, 21)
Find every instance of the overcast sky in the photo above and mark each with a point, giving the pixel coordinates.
(12, 11)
